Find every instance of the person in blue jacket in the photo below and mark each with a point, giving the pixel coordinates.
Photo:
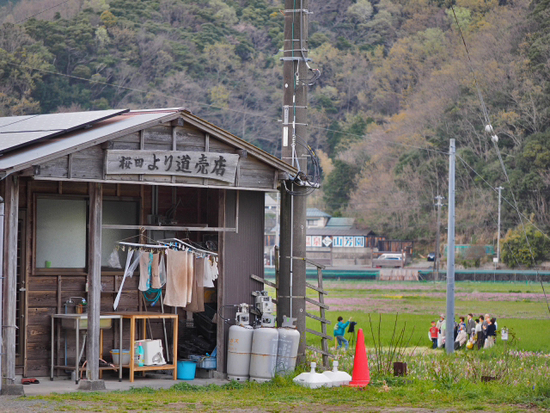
(339, 331)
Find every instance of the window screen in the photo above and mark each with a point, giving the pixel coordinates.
(61, 233)
(117, 213)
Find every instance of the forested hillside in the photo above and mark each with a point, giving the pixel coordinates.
(396, 85)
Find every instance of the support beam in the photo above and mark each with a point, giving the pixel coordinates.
(2, 205)
(10, 278)
(94, 289)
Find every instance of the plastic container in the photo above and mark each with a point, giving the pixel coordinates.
(337, 378)
(152, 352)
(186, 369)
(204, 362)
(115, 354)
(139, 355)
(312, 379)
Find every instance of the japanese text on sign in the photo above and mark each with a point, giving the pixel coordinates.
(211, 165)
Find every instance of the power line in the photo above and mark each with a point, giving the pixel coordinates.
(42, 11)
(494, 138)
(209, 105)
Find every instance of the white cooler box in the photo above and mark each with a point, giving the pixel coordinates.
(152, 352)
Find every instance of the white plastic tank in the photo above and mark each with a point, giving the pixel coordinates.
(239, 346)
(312, 379)
(264, 354)
(287, 349)
(337, 378)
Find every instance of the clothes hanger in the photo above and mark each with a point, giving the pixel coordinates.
(191, 247)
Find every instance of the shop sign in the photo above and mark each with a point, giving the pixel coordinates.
(210, 165)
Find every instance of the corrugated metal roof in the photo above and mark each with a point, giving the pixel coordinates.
(102, 131)
(314, 213)
(67, 141)
(18, 131)
(339, 231)
(338, 222)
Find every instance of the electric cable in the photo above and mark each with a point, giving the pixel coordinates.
(494, 139)
(42, 11)
(208, 105)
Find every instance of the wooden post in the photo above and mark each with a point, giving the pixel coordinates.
(1, 288)
(10, 277)
(324, 343)
(94, 288)
(220, 339)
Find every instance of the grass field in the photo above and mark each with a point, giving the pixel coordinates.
(435, 381)
(520, 307)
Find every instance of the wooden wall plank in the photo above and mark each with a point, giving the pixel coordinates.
(54, 168)
(88, 163)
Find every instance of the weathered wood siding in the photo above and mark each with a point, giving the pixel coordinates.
(47, 290)
(88, 164)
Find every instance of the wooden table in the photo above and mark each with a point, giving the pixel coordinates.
(135, 316)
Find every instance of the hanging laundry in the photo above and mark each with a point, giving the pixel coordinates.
(155, 272)
(162, 271)
(130, 267)
(207, 281)
(176, 278)
(210, 272)
(114, 259)
(197, 303)
(190, 275)
(145, 271)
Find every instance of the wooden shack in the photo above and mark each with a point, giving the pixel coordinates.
(75, 183)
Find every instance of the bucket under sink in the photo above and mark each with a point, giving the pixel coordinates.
(72, 320)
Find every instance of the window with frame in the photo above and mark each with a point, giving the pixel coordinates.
(61, 233)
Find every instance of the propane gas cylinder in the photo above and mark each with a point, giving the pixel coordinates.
(239, 346)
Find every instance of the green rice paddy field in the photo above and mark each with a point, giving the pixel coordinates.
(520, 307)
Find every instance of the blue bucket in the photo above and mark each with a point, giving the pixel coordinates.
(186, 370)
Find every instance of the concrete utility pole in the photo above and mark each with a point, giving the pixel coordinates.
(292, 271)
(498, 234)
(436, 259)
(450, 319)
(1, 285)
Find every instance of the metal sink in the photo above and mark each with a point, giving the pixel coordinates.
(81, 320)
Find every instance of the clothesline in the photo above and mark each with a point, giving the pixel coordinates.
(138, 245)
(173, 242)
(184, 268)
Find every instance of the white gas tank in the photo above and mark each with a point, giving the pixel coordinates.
(287, 349)
(239, 346)
(264, 354)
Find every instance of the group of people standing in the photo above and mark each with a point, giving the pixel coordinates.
(472, 332)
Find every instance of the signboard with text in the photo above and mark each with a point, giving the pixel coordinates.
(210, 165)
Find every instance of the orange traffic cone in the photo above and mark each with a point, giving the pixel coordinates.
(361, 373)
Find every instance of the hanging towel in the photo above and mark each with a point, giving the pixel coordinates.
(162, 271)
(145, 271)
(176, 278)
(207, 281)
(210, 272)
(190, 275)
(155, 272)
(197, 303)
